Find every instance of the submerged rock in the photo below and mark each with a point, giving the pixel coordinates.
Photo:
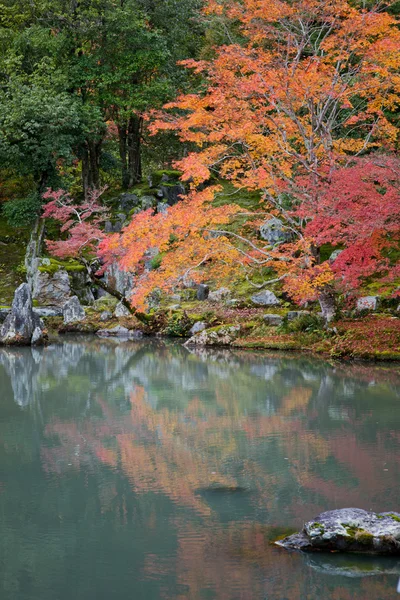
(349, 530)
(22, 326)
(121, 332)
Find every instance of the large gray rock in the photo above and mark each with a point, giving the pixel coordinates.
(51, 289)
(22, 326)
(265, 298)
(349, 530)
(274, 232)
(73, 312)
(368, 303)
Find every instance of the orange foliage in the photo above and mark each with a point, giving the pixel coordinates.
(312, 83)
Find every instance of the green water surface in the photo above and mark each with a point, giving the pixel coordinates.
(145, 471)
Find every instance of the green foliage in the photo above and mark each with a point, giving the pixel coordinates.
(178, 325)
(305, 323)
(23, 211)
(155, 262)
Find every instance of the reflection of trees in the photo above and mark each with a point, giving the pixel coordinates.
(141, 426)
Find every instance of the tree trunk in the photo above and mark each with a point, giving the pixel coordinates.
(327, 303)
(123, 153)
(91, 166)
(134, 139)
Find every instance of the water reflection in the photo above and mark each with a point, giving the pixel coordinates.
(145, 468)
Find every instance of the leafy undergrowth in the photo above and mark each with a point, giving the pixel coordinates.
(376, 336)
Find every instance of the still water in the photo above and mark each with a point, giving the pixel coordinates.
(141, 471)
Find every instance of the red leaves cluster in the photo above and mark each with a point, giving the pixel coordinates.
(358, 210)
(81, 222)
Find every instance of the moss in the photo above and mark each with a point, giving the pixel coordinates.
(364, 537)
(71, 266)
(156, 176)
(394, 517)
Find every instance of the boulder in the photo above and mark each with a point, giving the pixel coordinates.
(203, 292)
(73, 312)
(22, 326)
(121, 311)
(274, 232)
(273, 320)
(219, 295)
(120, 332)
(368, 303)
(51, 289)
(224, 335)
(265, 298)
(349, 530)
(197, 327)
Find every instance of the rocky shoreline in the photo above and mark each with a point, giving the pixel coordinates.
(215, 322)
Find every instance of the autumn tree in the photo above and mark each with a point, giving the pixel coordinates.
(311, 86)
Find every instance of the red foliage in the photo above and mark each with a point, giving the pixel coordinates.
(81, 222)
(358, 209)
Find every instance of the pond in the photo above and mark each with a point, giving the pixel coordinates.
(143, 470)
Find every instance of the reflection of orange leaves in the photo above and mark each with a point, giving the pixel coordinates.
(296, 401)
(108, 457)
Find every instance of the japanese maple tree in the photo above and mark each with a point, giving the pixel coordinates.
(311, 85)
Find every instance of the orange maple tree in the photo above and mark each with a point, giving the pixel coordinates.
(310, 87)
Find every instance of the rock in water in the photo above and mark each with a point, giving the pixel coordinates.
(73, 312)
(349, 530)
(120, 332)
(22, 326)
